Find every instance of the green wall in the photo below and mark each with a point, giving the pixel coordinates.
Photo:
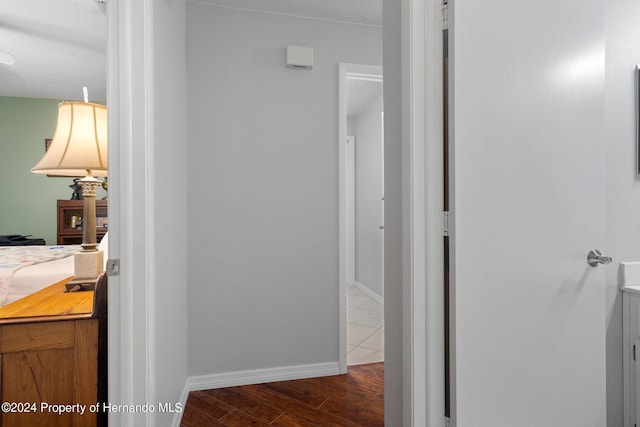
(28, 200)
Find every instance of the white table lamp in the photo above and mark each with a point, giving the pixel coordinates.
(79, 148)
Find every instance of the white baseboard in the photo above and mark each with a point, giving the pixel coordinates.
(259, 376)
(368, 291)
(177, 418)
(254, 376)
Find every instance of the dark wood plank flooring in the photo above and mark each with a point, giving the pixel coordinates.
(350, 400)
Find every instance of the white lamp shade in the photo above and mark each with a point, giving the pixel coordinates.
(79, 142)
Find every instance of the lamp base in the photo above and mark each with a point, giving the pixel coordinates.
(88, 266)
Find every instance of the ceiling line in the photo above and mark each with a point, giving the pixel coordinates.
(270, 12)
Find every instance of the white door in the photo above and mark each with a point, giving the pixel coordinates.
(528, 182)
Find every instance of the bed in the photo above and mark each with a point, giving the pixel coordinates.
(53, 348)
(28, 280)
(46, 265)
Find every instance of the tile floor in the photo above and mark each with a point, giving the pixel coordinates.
(365, 328)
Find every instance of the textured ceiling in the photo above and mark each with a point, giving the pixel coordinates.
(59, 46)
(358, 11)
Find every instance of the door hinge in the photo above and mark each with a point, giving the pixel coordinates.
(445, 223)
(113, 267)
(634, 352)
(445, 16)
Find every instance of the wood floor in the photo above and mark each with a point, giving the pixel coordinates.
(353, 399)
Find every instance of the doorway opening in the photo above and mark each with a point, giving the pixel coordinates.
(361, 210)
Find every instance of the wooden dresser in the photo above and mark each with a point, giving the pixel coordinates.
(53, 350)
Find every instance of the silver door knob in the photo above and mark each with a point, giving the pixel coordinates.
(595, 257)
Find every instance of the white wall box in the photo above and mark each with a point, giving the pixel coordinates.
(299, 57)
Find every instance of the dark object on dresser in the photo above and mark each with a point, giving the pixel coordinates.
(20, 240)
(77, 190)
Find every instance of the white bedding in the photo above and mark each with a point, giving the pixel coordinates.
(30, 279)
(16, 258)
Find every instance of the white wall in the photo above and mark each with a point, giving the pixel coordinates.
(168, 171)
(368, 195)
(351, 126)
(263, 187)
(622, 184)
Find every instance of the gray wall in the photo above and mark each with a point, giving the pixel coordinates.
(396, 367)
(622, 183)
(263, 187)
(368, 195)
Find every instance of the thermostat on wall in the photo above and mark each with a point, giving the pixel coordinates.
(299, 57)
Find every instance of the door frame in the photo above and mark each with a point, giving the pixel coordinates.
(131, 360)
(414, 255)
(411, 26)
(350, 225)
(346, 197)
